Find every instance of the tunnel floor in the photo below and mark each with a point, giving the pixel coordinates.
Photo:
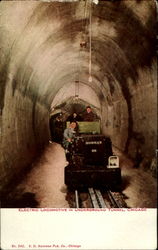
(44, 185)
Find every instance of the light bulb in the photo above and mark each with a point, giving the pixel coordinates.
(90, 78)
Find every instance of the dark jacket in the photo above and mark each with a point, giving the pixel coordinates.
(89, 116)
(74, 119)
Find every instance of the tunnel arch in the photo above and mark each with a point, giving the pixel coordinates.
(69, 90)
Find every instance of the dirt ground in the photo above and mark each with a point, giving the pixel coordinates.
(44, 185)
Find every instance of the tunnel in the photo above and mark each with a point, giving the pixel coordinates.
(58, 56)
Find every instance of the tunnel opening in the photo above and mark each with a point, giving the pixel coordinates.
(62, 113)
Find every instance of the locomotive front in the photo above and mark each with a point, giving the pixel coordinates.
(91, 161)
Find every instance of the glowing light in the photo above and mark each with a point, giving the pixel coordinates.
(90, 78)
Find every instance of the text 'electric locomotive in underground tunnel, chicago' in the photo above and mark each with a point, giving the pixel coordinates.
(91, 160)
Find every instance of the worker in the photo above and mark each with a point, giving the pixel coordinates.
(74, 117)
(69, 134)
(89, 115)
(58, 129)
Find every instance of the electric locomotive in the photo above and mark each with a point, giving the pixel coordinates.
(91, 161)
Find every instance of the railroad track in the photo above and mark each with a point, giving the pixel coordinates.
(97, 200)
(116, 199)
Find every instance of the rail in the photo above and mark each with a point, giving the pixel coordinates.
(96, 200)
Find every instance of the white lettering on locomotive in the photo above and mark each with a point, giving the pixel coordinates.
(93, 142)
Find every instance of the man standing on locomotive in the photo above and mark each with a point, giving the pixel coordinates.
(89, 115)
(69, 134)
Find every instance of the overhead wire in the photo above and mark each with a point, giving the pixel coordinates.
(90, 42)
(86, 30)
(83, 40)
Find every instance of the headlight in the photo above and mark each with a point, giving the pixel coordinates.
(113, 162)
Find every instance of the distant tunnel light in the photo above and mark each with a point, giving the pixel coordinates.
(113, 162)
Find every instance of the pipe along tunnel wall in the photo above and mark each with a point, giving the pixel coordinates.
(41, 53)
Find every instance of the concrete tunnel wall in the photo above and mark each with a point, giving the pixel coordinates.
(41, 53)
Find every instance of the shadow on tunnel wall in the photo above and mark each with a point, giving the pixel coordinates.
(10, 198)
(15, 201)
(126, 181)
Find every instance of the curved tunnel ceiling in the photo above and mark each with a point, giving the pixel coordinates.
(41, 53)
(51, 34)
(70, 90)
